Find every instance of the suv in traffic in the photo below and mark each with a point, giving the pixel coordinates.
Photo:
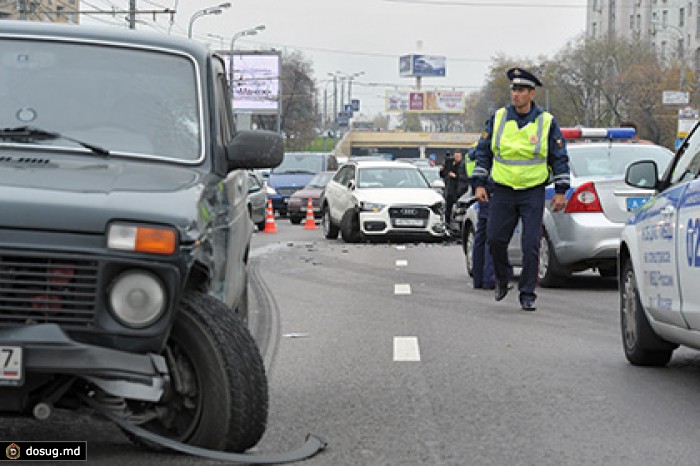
(295, 172)
(125, 235)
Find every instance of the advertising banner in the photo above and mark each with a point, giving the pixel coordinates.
(422, 65)
(256, 83)
(425, 101)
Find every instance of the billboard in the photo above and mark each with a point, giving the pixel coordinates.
(422, 65)
(425, 101)
(256, 81)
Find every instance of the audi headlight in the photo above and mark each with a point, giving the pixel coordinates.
(371, 207)
(438, 208)
(137, 298)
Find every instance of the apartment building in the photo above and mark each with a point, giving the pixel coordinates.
(671, 27)
(57, 11)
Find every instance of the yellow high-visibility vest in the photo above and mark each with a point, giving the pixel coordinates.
(520, 155)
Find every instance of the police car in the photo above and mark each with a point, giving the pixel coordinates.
(659, 259)
(586, 235)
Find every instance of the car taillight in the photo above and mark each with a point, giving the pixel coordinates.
(584, 199)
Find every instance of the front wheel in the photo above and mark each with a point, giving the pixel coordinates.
(218, 397)
(642, 345)
(350, 227)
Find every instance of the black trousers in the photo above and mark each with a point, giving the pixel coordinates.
(507, 207)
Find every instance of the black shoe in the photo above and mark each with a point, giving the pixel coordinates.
(501, 291)
(528, 305)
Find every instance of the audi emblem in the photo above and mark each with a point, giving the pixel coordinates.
(409, 211)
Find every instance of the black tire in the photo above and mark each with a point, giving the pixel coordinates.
(549, 273)
(330, 231)
(222, 402)
(350, 227)
(294, 219)
(643, 347)
(468, 235)
(261, 225)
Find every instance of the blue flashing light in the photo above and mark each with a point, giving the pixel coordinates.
(621, 133)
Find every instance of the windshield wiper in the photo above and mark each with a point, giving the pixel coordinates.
(31, 134)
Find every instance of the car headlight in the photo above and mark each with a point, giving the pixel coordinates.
(371, 207)
(141, 238)
(137, 298)
(438, 208)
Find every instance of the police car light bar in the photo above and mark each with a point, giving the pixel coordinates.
(598, 133)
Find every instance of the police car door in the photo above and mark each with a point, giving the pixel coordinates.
(688, 241)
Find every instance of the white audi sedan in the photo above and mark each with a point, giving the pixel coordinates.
(373, 199)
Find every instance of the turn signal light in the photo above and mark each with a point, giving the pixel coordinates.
(138, 238)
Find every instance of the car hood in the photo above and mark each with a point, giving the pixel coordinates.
(308, 192)
(399, 196)
(83, 195)
(289, 180)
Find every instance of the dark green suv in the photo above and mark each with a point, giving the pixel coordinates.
(124, 234)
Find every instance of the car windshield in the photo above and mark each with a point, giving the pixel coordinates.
(391, 177)
(320, 180)
(597, 160)
(126, 101)
(430, 173)
(300, 163)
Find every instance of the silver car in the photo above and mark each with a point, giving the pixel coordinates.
(587, 233)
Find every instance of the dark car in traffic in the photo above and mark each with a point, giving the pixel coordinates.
(124, 234)
(299, 201)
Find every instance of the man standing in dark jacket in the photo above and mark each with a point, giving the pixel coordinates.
(455, 175)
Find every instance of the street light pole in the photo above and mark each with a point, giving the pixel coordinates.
(681, 50)
(212, 10)
(247, 32)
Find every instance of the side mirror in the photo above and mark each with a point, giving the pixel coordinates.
(255, 149)
(439, 184)
(642, 174)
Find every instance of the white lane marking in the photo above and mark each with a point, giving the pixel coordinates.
(406, 349)
(402, 288)
(401, 263)
(401, 247)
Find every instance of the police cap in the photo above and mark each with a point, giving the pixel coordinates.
(520, 78)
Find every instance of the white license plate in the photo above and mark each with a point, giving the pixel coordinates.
(10, 365)
(409, 222)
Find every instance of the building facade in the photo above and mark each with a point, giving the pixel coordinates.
(671, 27)
(57, 11)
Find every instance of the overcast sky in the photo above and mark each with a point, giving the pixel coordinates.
(368, 36)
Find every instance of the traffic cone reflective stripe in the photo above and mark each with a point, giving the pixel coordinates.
(310, 223)
(270, 226)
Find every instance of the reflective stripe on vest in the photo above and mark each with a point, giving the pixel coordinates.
(520, 155)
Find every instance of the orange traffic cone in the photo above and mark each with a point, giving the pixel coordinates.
(310, 223)
(270, 226)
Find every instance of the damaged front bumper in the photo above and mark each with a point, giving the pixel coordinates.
(45, 348)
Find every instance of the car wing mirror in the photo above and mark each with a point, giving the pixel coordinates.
(642, 174)
(438, 184)
(255, 149)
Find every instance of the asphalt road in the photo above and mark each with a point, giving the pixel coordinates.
(386, 351)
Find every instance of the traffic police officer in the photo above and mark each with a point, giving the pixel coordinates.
(519, 147)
